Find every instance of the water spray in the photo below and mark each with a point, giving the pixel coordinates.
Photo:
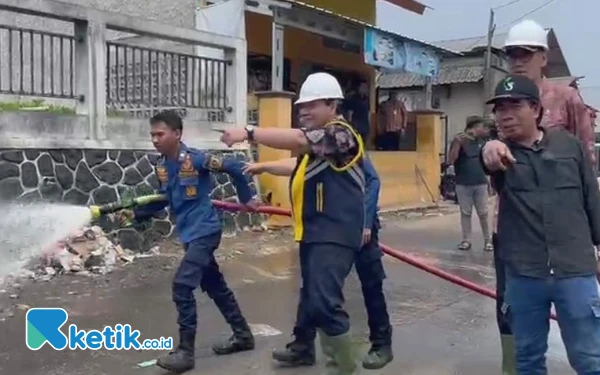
(109, 208)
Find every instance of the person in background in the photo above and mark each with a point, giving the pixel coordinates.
(548, 230)
(358, 111)
(392, 119)
(526, 47)
(471, 181)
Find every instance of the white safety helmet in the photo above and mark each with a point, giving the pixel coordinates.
(319, 86)
(527, 33)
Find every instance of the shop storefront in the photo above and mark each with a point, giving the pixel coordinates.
(301, 38)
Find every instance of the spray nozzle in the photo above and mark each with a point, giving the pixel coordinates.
(98, 211)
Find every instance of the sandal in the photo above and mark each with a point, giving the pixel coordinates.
(488, 247)
(465, 245)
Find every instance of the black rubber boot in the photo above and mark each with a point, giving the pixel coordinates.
(296, 354)
(181, 359)
(242, 338)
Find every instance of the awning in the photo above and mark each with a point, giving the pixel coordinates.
(440, 49)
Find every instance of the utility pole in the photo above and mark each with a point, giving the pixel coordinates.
(487, 71)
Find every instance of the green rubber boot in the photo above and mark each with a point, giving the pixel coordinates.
(328, 354)
(342, 352)
(508, 355)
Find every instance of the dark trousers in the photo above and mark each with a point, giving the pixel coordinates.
(371, 274)
(502, 311)
(324, 268)
(200, 269)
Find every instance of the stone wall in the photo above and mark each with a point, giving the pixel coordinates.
(84, 177)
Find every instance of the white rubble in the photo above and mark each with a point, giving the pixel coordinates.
(86, 251)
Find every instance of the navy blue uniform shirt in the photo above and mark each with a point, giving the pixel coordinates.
(372, 187)
(187, 184)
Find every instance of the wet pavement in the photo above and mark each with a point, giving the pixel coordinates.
(439, 328)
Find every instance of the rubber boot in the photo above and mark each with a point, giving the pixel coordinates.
(342, 352)
(508, 355)
(242, 338)
(378, 357)
(329, 355)
(296, 354)
(182, 359)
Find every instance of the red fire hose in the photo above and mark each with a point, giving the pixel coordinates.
(394, 253)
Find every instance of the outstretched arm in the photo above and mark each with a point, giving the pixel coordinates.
(148, 210)
(217, 163)
(282, 167)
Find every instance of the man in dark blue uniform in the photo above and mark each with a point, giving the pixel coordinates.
(301, 352)
(184, 176)
(327, 190)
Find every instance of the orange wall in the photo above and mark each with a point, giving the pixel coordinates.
(299, 46)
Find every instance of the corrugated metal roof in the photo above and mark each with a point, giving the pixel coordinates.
(468, 44)
(448, 75)
(365, 24)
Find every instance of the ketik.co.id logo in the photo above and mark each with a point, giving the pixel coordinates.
(43, 325)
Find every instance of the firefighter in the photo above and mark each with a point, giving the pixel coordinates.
(184, 176)
(326, 185)
(526, 48)
(369, 266)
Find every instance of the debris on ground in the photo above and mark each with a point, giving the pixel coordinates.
(87, 251)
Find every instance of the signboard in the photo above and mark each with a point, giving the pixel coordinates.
(390, 52)
(383, 50)
(421, 60)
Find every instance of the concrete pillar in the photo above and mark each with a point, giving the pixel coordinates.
(275, 111)
(90, 75)
(277, 56)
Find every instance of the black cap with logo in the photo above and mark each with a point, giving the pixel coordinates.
(516, 87)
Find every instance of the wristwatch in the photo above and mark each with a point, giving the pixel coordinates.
(250, 132)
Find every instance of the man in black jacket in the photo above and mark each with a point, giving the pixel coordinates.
(548, 227)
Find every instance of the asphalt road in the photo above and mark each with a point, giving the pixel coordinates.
(439, 328)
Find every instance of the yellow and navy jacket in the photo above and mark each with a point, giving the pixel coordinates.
(187, 183)
(328, 202)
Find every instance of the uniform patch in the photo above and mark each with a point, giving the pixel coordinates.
(215, 163)
(161, 173)
(191, 191)
(187, 168)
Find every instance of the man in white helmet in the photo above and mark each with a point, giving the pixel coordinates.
(526, 47)
(327, 190)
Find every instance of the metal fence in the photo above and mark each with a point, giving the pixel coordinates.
(139, 81)
(36, 63)
(142, 79)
